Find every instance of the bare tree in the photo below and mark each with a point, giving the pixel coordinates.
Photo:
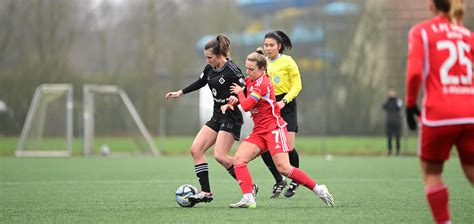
(7, 10)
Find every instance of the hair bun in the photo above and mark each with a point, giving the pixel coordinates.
(260, 50)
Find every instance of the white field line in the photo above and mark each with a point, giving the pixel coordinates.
(74, 182)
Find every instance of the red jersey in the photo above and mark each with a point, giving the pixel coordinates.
(261, 103)
(440, 58)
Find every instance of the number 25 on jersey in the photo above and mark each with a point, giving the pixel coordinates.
(457, 53)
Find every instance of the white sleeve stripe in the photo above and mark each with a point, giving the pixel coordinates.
(234, 69)
(426, 64)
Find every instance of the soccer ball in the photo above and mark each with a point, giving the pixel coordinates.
(182, 194)
(104, 150)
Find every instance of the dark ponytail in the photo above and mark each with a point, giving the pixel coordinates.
(281, 38)
(442, 5)
(220, 45)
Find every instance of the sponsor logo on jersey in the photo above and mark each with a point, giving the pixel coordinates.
(221, 80)
(219, 100)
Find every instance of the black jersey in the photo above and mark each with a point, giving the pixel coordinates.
(219, 81)
(393, 106)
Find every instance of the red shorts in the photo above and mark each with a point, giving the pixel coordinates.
(436, 142)
(275, 141)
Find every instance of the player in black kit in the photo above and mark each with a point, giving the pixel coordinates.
(223, 129)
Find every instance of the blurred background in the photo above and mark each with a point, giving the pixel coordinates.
(349, 54)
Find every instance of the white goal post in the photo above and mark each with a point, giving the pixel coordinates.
(89, 93)
(50, 103)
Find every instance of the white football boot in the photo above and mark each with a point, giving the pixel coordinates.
(325, 196)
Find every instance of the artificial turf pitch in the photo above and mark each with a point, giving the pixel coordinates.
(141, 190)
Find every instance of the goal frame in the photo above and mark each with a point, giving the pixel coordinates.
(89, 90)
(40, 91)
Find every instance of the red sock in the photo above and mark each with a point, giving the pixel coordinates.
(299, 176)
(438, 199)
(243, 178)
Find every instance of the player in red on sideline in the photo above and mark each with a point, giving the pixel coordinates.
(440, 59)
(269, 133)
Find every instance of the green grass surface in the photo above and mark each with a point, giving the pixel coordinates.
(141, 190)
(180, 145)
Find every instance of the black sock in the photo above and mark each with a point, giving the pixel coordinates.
(294, 158)
(267, 159)
(202, 172)
(231, 171)
(294, 161)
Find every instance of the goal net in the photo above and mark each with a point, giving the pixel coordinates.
(47, 130)
(112, 125)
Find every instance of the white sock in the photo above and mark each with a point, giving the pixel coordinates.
(318, 190)
(249, 198)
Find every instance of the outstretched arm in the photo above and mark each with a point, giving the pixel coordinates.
(175, 94)
(201, 82)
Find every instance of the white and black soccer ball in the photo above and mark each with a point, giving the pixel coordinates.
(182, 194)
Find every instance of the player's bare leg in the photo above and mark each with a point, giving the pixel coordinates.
(205, 138)
(203, 141)
(224, 143)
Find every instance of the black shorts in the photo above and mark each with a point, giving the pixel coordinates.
(289, 113)
(227, 126)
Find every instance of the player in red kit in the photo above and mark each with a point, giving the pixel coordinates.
(440, 59)
(269, 133)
